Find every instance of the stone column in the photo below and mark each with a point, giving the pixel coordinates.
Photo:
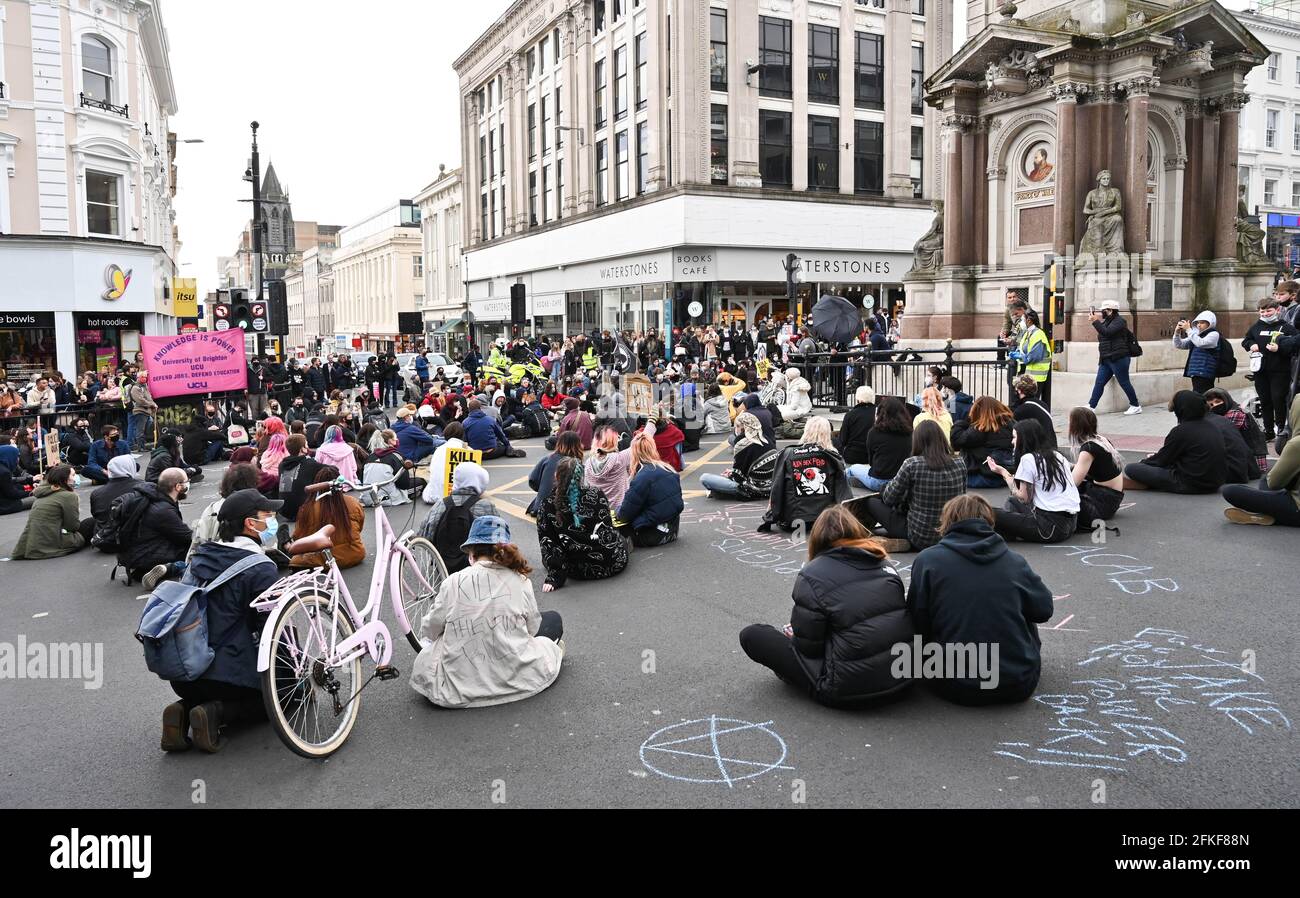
(969, 194)
(1066, 94)
(954, 214)
(799, 82)
(980, 224)
(1194, 134)
(656, 176)
(1135, 161)
(898, 103)
(742, 101)
(1205, 177)
(1225, 206)
(469, 171)
(517, 135)
(848, 56)
(576, 46)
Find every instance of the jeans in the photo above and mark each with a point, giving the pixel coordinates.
(1162, 479)
(95, 473)
(551, 627)
(984, 480)
(238, 703)
(1277, 504)
(1020, 520)
(892, 520)
(390, 392)
(139, 430)
(862, 474)
(213, 452)
(716, 483)
(1201, 384)
(1118, 369)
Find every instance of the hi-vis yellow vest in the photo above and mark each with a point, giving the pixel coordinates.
(591, 359)
(1036, 370)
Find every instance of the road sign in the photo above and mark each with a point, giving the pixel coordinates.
(220, 310)
(259, 324)
(223, 325)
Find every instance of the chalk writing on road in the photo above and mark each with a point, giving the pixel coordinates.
(714, 750)
(1124, 571)
(1140, 702)
(737, 524)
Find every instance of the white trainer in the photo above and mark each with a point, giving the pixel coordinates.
(1134, 410)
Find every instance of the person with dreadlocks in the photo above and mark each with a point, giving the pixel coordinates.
(576, 530)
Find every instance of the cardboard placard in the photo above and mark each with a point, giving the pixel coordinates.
(51, 449)
(454, 458)
(638, 394)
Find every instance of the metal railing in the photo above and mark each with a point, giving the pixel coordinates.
(902, 372)
(174, 411)
(124, 110)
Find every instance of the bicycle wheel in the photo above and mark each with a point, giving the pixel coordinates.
(298, 689)
(417, 594)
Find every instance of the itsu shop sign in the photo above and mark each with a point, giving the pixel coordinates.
(26, 320)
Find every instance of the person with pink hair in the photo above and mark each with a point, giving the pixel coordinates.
(267, 429)
(276, 451)
(335, 451)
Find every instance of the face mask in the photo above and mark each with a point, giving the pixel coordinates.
(1268, 317)
(76, 481)
(268, 536)
(183, 494)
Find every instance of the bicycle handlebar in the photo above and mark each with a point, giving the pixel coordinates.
(342, 484)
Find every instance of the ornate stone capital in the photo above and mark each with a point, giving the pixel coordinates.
(1175, 161)
(1105, 93)
(1140, 85)
(1068, 91)
(959, 123)
(567, 28)
(1231, 102)
(996, 173)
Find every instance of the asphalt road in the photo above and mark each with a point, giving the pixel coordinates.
(1142, 696)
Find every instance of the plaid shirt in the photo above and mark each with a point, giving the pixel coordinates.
(1239, 420)
(923, 493)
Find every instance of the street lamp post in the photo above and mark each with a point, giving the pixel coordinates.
(254, 174)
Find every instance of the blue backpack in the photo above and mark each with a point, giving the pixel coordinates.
(174, 624)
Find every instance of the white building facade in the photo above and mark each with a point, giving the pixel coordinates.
(87, 236)
(1269, 148)
(293, 291)
(318, 303)
(441, 220)
(378, 273)
(650, 164)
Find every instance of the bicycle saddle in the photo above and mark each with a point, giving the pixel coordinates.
(319, 541)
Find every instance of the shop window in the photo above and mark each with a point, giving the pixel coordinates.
(599, 79)
(918, 161)
(823, 64)
(718, 49)
(774, 52)
(620, 83)
(869, 77)
(642, 157)
(823, 153)
(642, 72)
(774, 149)
(718, 144)
(868, 157)
(602, 172)
(918, 79)
(621, 174)
(26, 352)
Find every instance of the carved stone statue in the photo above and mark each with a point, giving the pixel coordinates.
(1250, 236)
(1103, 208)
(927, 254)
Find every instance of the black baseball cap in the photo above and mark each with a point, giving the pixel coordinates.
(243, 504)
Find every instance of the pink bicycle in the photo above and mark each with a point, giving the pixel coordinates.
(313, 642)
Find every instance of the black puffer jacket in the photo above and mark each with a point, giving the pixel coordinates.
(232, 623)
(1112, 339)
(852, 438)
(848, 612)
(976, 445)
(163, 536)
(1239, 464)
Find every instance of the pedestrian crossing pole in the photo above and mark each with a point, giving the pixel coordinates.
(1054, 280)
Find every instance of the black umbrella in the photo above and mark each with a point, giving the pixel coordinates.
(835, 319)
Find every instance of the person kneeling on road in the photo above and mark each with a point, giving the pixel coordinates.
(230, 690)
(162, 539)
(451, 518)
(1004, 611)
(483, 433)
(487, 652)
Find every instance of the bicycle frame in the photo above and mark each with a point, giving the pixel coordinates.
(370, 635)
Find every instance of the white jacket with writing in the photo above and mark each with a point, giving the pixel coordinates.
(480, 641)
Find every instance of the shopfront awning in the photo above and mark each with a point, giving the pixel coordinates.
(449, 326)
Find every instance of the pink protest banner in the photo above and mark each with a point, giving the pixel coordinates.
(207, 362)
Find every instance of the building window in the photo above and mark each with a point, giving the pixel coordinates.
(774, 53)
(1295, 194)
(918, 7)
(918, 79)
(1295, 133)
(102, 204)
(642, 72)
(532, 130)
(555, 41)
(559, 123)
(642, 157)
(918, 161)
(498, 226)
(96, 69)
(823, 153)
(483, 219)
(417, 265)
(774, 148)
(868, 157)
(718, 49)
(621, 181)
(602, 172)
(718, 144)
(600, 93)
(491, 154)
(546, 124)
(1270, 191)
(541, 58)
(482, 160)
(531, 63)
(1270, 128)
(620, 83)
(532, 198)
(869, 77)
(1274, 60)
(559, 189)
(823, 64)
(598, 18)
(546, 194)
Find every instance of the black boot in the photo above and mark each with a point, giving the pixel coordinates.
(175, 728)
(205, 726)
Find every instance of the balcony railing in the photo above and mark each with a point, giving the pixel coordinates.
(124, 110)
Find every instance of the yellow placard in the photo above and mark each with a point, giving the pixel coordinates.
(763, 366)
(185, 296)
(455, 457)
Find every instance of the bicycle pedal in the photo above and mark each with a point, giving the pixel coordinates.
(387, 672)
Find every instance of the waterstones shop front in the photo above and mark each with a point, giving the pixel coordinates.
(684, 287)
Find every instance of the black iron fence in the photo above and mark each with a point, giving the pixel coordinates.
(834, 376)
(174, 411)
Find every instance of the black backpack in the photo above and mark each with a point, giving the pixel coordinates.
(1227, 364)
(452, 530)
(123, 524)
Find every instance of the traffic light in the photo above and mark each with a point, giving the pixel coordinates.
(241, 313)
(518, 304)
(277, 308)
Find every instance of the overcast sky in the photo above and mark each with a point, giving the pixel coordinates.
(357, 105)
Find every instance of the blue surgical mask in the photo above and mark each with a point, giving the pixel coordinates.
(268, 536)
